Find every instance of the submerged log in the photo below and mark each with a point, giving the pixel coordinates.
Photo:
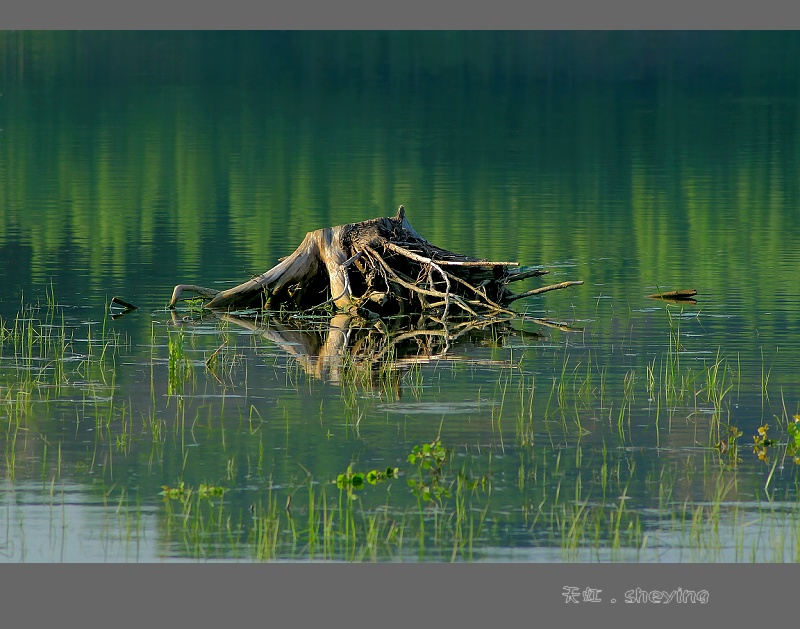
(676, 296)
(380, 266)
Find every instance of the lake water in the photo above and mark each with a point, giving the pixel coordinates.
(636, 162)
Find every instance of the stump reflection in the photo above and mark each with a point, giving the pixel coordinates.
(349, 350)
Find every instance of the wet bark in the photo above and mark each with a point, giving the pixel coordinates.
(377, 267)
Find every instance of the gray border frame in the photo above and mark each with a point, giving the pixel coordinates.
(389, 594)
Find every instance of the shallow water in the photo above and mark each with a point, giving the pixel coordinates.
(134, 162)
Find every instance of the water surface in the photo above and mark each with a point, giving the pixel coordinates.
(131, 162)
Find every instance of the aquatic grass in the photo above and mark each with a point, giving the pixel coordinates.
(266, 528)
(582, 526)
(41, 358)
(628, 398)
(675, 382)
(765, 377)
(180, 367)
(580, 520)
(348, 530)
(501, 388)
(587, 389)
(201, 525)
(716, 389)
(573, 493)
(524, 416)
(11, 450)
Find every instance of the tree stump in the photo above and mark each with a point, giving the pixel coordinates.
(378, 267)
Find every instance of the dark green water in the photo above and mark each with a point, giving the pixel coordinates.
(637, 162)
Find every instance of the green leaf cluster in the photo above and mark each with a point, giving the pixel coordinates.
(793, 448)
(729, 447)
(183, 493)
(429, 456)
(350, 479)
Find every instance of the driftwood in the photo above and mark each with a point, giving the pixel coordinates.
(119, 307)
(676, 296)
(377, 267)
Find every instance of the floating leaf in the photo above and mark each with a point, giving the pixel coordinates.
(209, 491)
(174, 492)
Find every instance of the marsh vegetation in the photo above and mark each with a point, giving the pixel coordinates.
(593, 424)
(556, 454)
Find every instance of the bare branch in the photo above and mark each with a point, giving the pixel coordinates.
(544, 289)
